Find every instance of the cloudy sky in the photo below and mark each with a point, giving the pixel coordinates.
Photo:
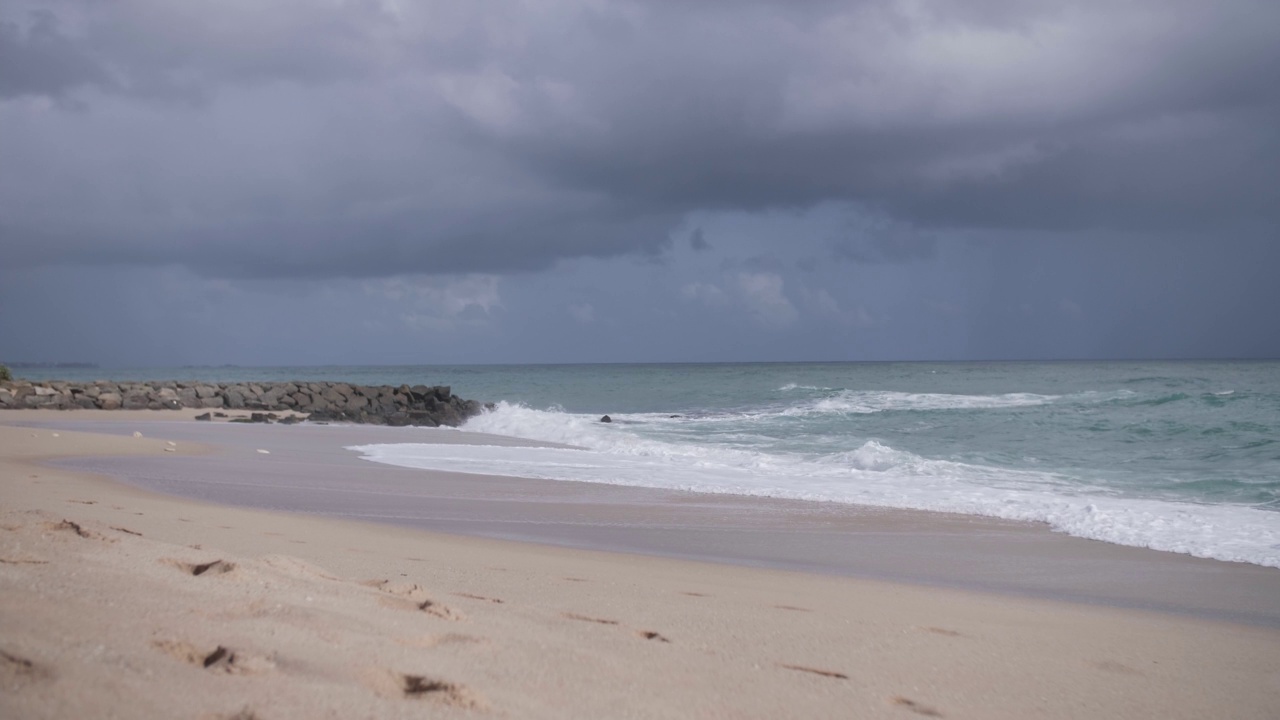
(397, 181)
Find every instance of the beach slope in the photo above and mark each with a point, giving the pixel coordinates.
(117, 602)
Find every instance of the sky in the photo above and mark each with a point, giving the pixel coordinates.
(307, 182)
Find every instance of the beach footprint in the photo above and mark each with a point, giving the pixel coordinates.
(914, 707)
(421, 687)
(218, 659)
(642, 634)
(17, 671)
(67, 526)
(211, 568)
(410, 596)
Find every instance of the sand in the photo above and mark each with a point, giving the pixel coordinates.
(120, 602)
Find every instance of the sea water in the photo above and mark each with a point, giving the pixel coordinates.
(1177, 456)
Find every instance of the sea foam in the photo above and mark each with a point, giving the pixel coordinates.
(870, 473)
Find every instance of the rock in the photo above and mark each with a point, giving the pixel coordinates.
(448, 415)
(136, 401)
(206, 417)
(606, 419)
(422, 418)
(423, 405)
(322, 416)
(34, 401)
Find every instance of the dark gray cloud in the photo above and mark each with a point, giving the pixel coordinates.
(38, 59)
(698, 240)
(366, 138)
(816, 179)
(872, 239)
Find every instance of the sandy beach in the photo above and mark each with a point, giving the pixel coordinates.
(121, 599)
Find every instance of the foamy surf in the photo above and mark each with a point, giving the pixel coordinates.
(661, 451)
(886, 401)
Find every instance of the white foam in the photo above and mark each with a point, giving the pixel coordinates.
(871, 474)
(873, 401)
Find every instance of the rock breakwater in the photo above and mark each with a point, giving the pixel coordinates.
(424, 405)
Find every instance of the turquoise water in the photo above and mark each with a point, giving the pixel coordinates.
(1178, 456)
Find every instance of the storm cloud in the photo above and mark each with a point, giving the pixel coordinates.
(367, 140)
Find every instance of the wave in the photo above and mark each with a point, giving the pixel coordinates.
(873, 473)
(839, 400)
(1164, 399)
(873, 401)
(1215, 399)
(512, 419)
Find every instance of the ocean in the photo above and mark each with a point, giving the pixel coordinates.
(1175, 456)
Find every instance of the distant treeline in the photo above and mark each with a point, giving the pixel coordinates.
(52, 365)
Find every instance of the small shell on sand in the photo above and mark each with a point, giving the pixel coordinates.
(137, 434)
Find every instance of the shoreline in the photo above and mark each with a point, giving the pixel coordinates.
(310, 472)
(295, 615)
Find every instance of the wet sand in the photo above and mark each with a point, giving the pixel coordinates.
(326, 614)
(310, 471)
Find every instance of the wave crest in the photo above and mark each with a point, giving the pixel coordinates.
(655, 450)
(873, 401)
